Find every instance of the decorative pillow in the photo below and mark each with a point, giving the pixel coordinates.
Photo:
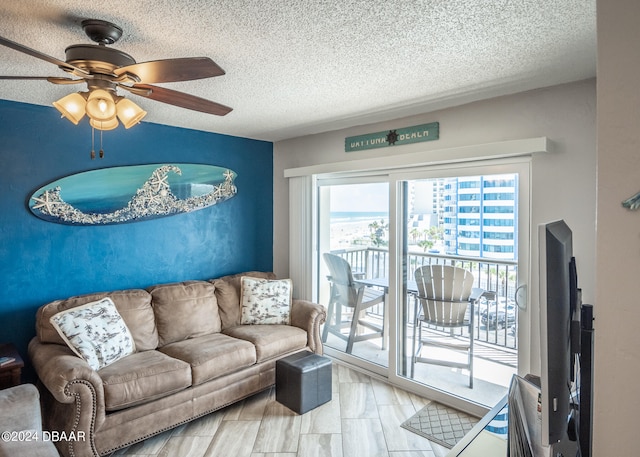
(265, 301)
(96, 332)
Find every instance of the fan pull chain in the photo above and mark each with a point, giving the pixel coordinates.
(101, 150)
(93, 142)
(93, 151)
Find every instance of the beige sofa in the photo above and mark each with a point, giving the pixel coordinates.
(192, 357)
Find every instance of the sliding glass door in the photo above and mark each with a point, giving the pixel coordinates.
(385, 228)
(354, 232)
(459, 235)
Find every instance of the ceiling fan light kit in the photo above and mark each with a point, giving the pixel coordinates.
(105, 69)
(72, 107)
(107, 124)
(129, 113)
(100, 105)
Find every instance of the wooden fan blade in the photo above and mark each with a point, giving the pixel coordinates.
(173, 97)
(61, 80)
(51, 79)
(32, 52)
(172, 70)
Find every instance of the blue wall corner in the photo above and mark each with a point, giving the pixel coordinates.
(42, 261)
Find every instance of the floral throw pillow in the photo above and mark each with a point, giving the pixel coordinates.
(96, 332)
(265, 301)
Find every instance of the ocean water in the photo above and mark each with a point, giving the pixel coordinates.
(354, 216)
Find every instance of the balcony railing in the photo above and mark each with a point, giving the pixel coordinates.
(498, 277)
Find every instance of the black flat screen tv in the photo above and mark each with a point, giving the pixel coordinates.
(559, 299)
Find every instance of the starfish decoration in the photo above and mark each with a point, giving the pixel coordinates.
(228, 175)
(392, 137)
(218, 192)
(44, 202)
(159, 181)
(154, 199)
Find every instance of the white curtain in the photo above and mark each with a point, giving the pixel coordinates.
(301, 255)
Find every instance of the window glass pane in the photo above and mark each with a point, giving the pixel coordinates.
(465, 221)
(354, 227)
(468, 222)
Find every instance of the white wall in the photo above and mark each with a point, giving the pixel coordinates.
(563, 182)
(617, 346)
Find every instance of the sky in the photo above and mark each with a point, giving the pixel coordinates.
(368, 197)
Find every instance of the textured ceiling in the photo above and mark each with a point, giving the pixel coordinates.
(297, 67)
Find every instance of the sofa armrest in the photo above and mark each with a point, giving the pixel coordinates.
(309, 316)
(59, 369)
(76, 400)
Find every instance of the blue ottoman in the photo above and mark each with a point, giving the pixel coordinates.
(303, 381)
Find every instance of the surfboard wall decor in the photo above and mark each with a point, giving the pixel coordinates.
(132, 193)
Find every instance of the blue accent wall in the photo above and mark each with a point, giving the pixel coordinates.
(42, 261)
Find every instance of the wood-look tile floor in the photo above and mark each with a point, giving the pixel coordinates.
(362, 420)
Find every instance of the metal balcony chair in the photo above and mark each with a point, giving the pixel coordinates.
(346, 293)
(447, 300)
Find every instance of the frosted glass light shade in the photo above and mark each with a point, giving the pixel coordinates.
(129, 113)
(72, 107)
(108, 124)
(100, 105)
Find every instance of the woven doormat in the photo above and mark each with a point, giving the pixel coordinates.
(441, 424)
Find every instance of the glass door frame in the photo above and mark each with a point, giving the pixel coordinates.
(521, 166)
(335, 180)
(518, 164)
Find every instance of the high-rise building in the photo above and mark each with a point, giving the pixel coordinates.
(480, 216)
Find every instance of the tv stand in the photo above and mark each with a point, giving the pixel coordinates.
(480, 442)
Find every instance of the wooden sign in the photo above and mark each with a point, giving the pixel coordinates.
(397, 137)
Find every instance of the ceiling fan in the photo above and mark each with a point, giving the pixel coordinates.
(106, 69)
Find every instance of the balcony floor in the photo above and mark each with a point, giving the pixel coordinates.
(493, 369)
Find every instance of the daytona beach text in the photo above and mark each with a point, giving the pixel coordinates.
(394, 137)
(383, 139)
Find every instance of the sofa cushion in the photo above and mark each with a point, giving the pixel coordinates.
(133, 305)
(184, 310)
(270, 340)
(228, 295)
(96, 332)
(143, 377)
(212, 356)
(265, 301)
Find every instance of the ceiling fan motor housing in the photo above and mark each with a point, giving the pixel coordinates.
(96, 58)
(102, 32)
